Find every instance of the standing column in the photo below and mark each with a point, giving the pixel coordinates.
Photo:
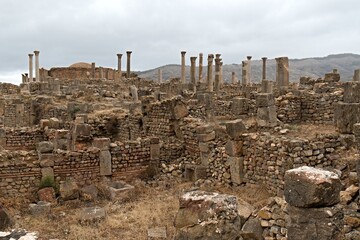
(93, 70)
(282, 72)
(160, 75)
(245, 74)
(217, 72)
(119, 55)
(264, 68)
(128, 54)
(193, 73)
(210, 81)
(356, 75)
(183, 66)
(101, 72)
(221, 73)
(233, 78)
(200, 66)
(31, 67)
(37, 71)
(249, 68)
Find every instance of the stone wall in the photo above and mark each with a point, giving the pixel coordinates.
(80, 73)
(20, 139)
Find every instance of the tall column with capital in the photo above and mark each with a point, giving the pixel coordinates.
(119, 55)
(249, 68)
(245, 74)
(183, 66)
(37, 70)
(210, 80)
(264, 68)
(31, 67)
(128, 54)
(221, 73)
(193, 73)
(200, 67)
(217, 73)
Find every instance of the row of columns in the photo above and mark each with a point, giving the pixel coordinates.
(128, 62)
(37, 70)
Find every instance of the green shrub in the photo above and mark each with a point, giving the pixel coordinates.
(49, 181)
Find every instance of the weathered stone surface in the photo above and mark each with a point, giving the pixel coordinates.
(204, 129)
(351, 92)
(101, 143)
(120, 190)
(235, 128)
(54, 123)
(266, 116)
(47, 172)
(19, 234)
(47, 159)
(194, 172)
(82, 130)
(180, 111)
(105, 163)
(245, 210)
(45, 147)
(206, 137)
(157, 233)
(240, 106)
(349, 193)
(204, 215)
(346, 115)
(5, 219)
(233, 148)
(252, 230)
(47, 195)
(311, 187)
(89, 193)
(236, 169)
(41, 208)
(265, 100)
(315, 223)
(92, 215)
(69, 190)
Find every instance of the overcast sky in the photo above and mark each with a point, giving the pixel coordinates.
(69, 31)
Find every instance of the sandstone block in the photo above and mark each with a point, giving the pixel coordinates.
(89, 193)
(180, 111)
(235, 128)
(346, 115)
(194, 172)
(45, 147)
(266, 116)
(206, 137)
(236, 169)
(54, 123)
(240, 106)
(69, 190)
(101, 143)
(204, 129)
(47, 159)
(47, 172)
(47, 195)
(265, 100)
(105, 163)
(41, 208)
(252, 230)
(233, 148)
(310, 187)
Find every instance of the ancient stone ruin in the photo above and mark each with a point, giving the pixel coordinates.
(81, 132)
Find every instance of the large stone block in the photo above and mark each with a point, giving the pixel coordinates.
(82, 129)
(315, 223)
(47, 159)
(203, 129)
(236, 169)
(206, 137)
(180, 111)
(240, 106)
(69, 190)
(266, 116)
(351, 92)
(101, 143)
(265, 100)
(235, 128)
(233, 148)
(45, 147)
(346, 115)
(311, 187)
(252, 230)
(195, 172)
(105, 163)
(5, 219)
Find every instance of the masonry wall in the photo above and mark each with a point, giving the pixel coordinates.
(80, 73)
(21, 139)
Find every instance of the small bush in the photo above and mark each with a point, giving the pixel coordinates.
(49, 181)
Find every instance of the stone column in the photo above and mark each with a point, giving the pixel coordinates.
(101, 72)
(128, 54)
(233, 78)
(200, 66)
(221, 73)
(160, 75)
(119, 55)
(282, 72)
(37, 71)
(183, 66)
(245, 74)
(264, 68)
(134, 93)
(266, 86)
(356, 75)
(249, 67)
(193, 73)
(210, 80)
(93, 70)
(217, 73)
(31, 67)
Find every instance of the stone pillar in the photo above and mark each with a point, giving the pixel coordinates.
(107, 73)
(282, 72)
(128, 54)
(233, 78)
(27, 77)
(31, 67)
(210, 75)
(245, 74)
(119, 55)
(101, 72)
(264, 68)
(160, 75)
(193, 73)
(183, 66)
(266, 86)
(134, 93)
(266, 110)
(356, 75)
(249, 67)
(221, 73)
(37, 71)
(200, 66)
(93, 70)
(217, 73)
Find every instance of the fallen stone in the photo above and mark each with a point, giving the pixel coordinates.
(120, 190)
(349, 193)
(5, 219)
(45, 147)
(40, 208)
(157, 233)
(18, 234)
(235, 128)
(69, 190)
(47, 195)
(252, 230)
(89, 193)
(92, 215)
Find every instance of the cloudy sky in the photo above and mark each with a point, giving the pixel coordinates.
(69, 31)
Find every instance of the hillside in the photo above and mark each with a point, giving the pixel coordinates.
(312, 67)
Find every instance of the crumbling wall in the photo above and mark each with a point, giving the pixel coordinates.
(80, 73)
(20, 139)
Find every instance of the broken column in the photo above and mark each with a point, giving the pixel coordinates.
(31, 79)
(264, 68)
(101, 72)
(233, 78)
(356, 77)
(93, 70)
(183, 76)
(119, 55)
(245, 74)
(233, 149)
(210, 82)
(266, 86)
(240, 106)
(193, 73)
(217, 73)
(37, 70)
(282, 72)
(104, 156)
(266, 110)
(128, 55)
(160, 76)
(134, 93)
(200, 66)
(312, 195)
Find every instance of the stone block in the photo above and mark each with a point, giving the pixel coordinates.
(154, 140)
(346, 115)
(120, 190)
(44, 123)
(69, 190)
(332, 77)
(266, 116)
(89, 193)
(47, 172)
(204, 158)
(235, 128)
(54, 123)
(45, 147)
(204, 129)
(351, 92)
(310, 187)
(154, 151)
(265, 100)
(5, 219)
(252, 230)
(206, 137)
(91, 215)
(82, 130)
(47, 159)
(240, 106)
(315, 223)
(195, 172)
(101, 143)
(180, 111)
(236, 169)
(47, 195)
(233, 148)
(204, 147)
(40, 208)
(105, 163)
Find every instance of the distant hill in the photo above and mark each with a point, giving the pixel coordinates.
(313, 67)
